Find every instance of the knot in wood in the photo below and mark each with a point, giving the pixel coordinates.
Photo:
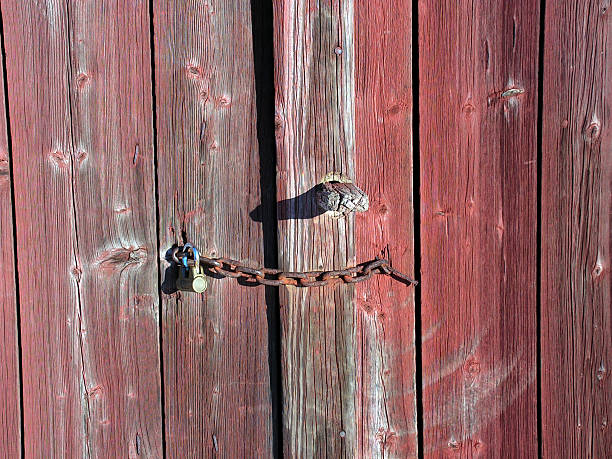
(341, 197)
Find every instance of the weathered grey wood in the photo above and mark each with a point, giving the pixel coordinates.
(314, 78)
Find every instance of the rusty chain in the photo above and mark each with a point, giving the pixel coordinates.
(275, 277)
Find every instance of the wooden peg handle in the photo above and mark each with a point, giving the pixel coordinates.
(341, 197)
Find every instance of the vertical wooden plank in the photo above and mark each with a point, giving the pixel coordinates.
(214, 345)
(576, 316)
(384, 308)
(80, 98)
(478, 115)
(314, 79)
(10, 416)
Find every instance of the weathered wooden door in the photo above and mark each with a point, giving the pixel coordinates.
(478, 130)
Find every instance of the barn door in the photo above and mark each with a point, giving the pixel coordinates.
(303, 146)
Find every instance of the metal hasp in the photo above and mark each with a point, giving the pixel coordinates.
(191, 275)
(341, 198)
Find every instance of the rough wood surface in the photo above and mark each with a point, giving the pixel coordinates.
(478, 120)
(217, 392)
(81, 120)
(80, 95)
(314, 72)
(576, 325)
(341, 198)
(10, 416)
(384, 308)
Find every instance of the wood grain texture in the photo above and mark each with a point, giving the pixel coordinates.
(576, 322)
(314, 80)
(341, 198)
(217, 391)
(478, 66)
(10, 415)
(385, 350)
(80, 105)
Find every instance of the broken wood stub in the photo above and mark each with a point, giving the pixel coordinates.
(341, 198)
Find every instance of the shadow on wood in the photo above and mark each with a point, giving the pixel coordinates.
(301, 207)
(171, 273)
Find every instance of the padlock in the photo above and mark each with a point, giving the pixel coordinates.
(191, 278)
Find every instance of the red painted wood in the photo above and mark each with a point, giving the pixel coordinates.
(384, 308)
(314, 81)
(217, 391)
(576, 322)
(81, 120)
(348, 355)
(10, 416)
(478, 110)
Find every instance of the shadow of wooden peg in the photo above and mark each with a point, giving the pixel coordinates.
(341, 198)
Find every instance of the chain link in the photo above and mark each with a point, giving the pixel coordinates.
(227, 267)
